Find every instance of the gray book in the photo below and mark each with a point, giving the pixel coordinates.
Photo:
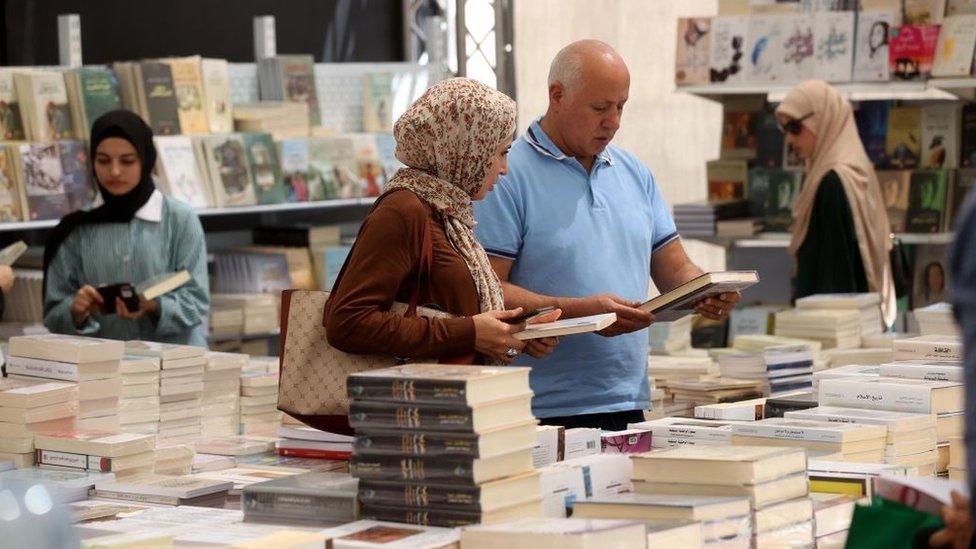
(318, 497)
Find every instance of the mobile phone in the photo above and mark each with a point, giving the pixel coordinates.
(525, 317)
(123, 290)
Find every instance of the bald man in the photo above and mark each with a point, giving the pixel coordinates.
(580, 224)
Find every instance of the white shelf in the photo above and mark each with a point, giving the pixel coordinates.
(932, 90)
(780, 240)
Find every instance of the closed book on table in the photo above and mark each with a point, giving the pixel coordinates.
(417, 443)
(440, 417)
(438, 383)
(723, 465)
(314, 496)
(474, 498)
(446, 470)
(452, 517)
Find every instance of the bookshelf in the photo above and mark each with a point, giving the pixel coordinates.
(781, 240)
(931, 90)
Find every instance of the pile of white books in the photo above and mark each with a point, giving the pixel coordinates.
(759, 343)
(260, 311)
(779, 369)
(164, 490)
(745, 410)
(29, 406)
(220, 413)
(64, 486)
(771, 481)
(125, 454)
(669, 337)
(671, 367)
(825, 440)
(833, 328)
(856, 371)
(90, 362)
(713, 390)
(864, 356)
(673, 431)
(867, 305)
(936, 319)
(599, 475)
(139, 402)
(173, 459)
(929, 347)
(259, 404)
(310, 442)
(180, 388)
(910, 440)
(958, 466)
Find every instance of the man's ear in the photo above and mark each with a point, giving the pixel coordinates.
(557, 93)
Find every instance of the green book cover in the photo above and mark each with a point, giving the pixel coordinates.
(927, 201)
(262, 156)
(782, 189)
(100, 93)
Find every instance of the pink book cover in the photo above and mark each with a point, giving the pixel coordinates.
(631, 441)
(911, 51)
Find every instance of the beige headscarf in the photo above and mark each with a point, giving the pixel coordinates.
(447, 139)
(839, 148)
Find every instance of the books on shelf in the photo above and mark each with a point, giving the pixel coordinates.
(903, 143)
(43, 102)
(216, 91)
(911, 51)
(11, 125)
(871, 49)
(728, 49)
(228, 170)
(290, 78)
(680, 301)
(693, 48)
(834, 43)
(179, 174)
(188, 87)
(156, 96)
(954, 50)
(92, 92)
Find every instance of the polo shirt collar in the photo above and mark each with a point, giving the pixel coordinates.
(540, 141)
(151, 211)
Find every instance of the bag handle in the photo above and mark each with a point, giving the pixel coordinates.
(424, 266)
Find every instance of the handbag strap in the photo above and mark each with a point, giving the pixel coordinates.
(424, 266)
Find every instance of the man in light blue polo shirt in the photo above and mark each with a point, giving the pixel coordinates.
(581, 224)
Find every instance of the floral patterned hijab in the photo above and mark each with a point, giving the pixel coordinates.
(447, 139)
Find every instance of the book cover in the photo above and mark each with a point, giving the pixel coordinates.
(795, 50)
(188, 84)
(911, 50)
(691, 60)
(378, 102)
(931, 275)
(834, 49)
(322, 181)
(903, 146)
(930, 371)
(216, 90)
(871, 49)
(872, 126)
(372, 176)
(924, 12)
(962, 185)
(739, 135)
(954, 52)
(180, 176)
(631, 441)
(448, 518)
(758, 188)
(434, 417)
(42, 178)
(229, 174)
(940, 131)
(447, 470)
(99, 94)
(298, 82)
(47, 116)
(894, 188)
(763, 32)
(160, 98)
(783, 189)
(11, 125)
(899, 395)
(76, 174)
(727, 179)
(728, 49)
(769, 141)
(293, 154)
(11, 190)
(436, 383)
(262, 157)
(340, 153)
(931, 347)
(927, 201)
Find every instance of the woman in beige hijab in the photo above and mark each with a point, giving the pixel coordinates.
(840, 234)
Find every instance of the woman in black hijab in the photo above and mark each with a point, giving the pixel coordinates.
(136, 234)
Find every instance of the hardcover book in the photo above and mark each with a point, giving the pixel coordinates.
(692, 58)
(770, 143)
(794, 50)
(782, 192)
(229, 174)
(727, 179)
(739, 135)
(680, 301)
(39, 165)
(188, 84)
(293, 154)
(728, 50)
(92, 92)
(762, 62)
(43, 102)
(76, 171)
(11, 190)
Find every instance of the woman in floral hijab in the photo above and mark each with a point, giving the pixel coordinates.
(454, 141)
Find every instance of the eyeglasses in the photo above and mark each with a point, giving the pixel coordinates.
(794, 126)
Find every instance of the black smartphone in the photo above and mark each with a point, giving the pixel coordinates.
(525, 317)
(125, 291)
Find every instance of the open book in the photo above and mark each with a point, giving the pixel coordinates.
(681, 301)
(146, 290)
(568, 326)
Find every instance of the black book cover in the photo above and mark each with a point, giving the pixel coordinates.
(419, 516)
(967, 155)
(407, 390)
(769, 140)
(416, 443)
(927, 201)
(420, 495)
(300, 506)
(452, 470)
(435, 417)
(161, 102)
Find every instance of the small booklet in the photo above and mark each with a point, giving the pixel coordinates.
(147, 290)
(681, 301)
(568, 326)
(10, 254)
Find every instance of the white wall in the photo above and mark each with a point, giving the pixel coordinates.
(674, 133)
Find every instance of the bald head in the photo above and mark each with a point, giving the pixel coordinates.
(585, 60)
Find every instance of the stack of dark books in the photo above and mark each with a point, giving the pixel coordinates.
(699, 218)
(442, 445)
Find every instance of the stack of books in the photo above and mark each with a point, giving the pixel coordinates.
(126, 454)
(851, 370)
(825, 440)
(936, 319)
(165, 490)
(699, 218)
(745, 410)
(864, 357)
(307, 442)
(929, 370)
(832, 517)
(780, 370)
(673, 431)
(282, 120)
(23, 303)
(225, 321)
(958, 466)
(599, 475)
(773, 480)
(174, 459)
(259, 404)
(833, 328)
(713, 391)
(139, 402)
(429, 436)
(670, 337)
(29, 406)
(310, 499)
(259, 310)
(574, 532)
(664, 370)
(868, 305)
(92, 363)
(63, 486)
(910, 441)
(757, 343)
(221, 409)
(290, 78)
(180, 388)
(930, 347)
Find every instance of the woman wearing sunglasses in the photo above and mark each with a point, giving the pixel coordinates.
(840, 234)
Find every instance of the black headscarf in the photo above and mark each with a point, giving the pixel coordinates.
(115, 209)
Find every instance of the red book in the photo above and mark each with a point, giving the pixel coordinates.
(911, 51)
(316, 454)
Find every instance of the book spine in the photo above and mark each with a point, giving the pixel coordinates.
(61, 459)
(407, 390)
(417, 444)
(138, 498)
(338, 508)
(421, 517)
(420, 495)
(788, 433)
(908, 350)
(929, 372)
(688, 432)
(314, 454)
(40, 368)
(407, 468)
(903, 398)
(362, 415)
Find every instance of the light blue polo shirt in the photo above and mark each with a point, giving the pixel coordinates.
(574, 234)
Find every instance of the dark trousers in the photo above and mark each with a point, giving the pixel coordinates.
(611, 421)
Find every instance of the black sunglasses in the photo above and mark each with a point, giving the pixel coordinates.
(794, 126)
